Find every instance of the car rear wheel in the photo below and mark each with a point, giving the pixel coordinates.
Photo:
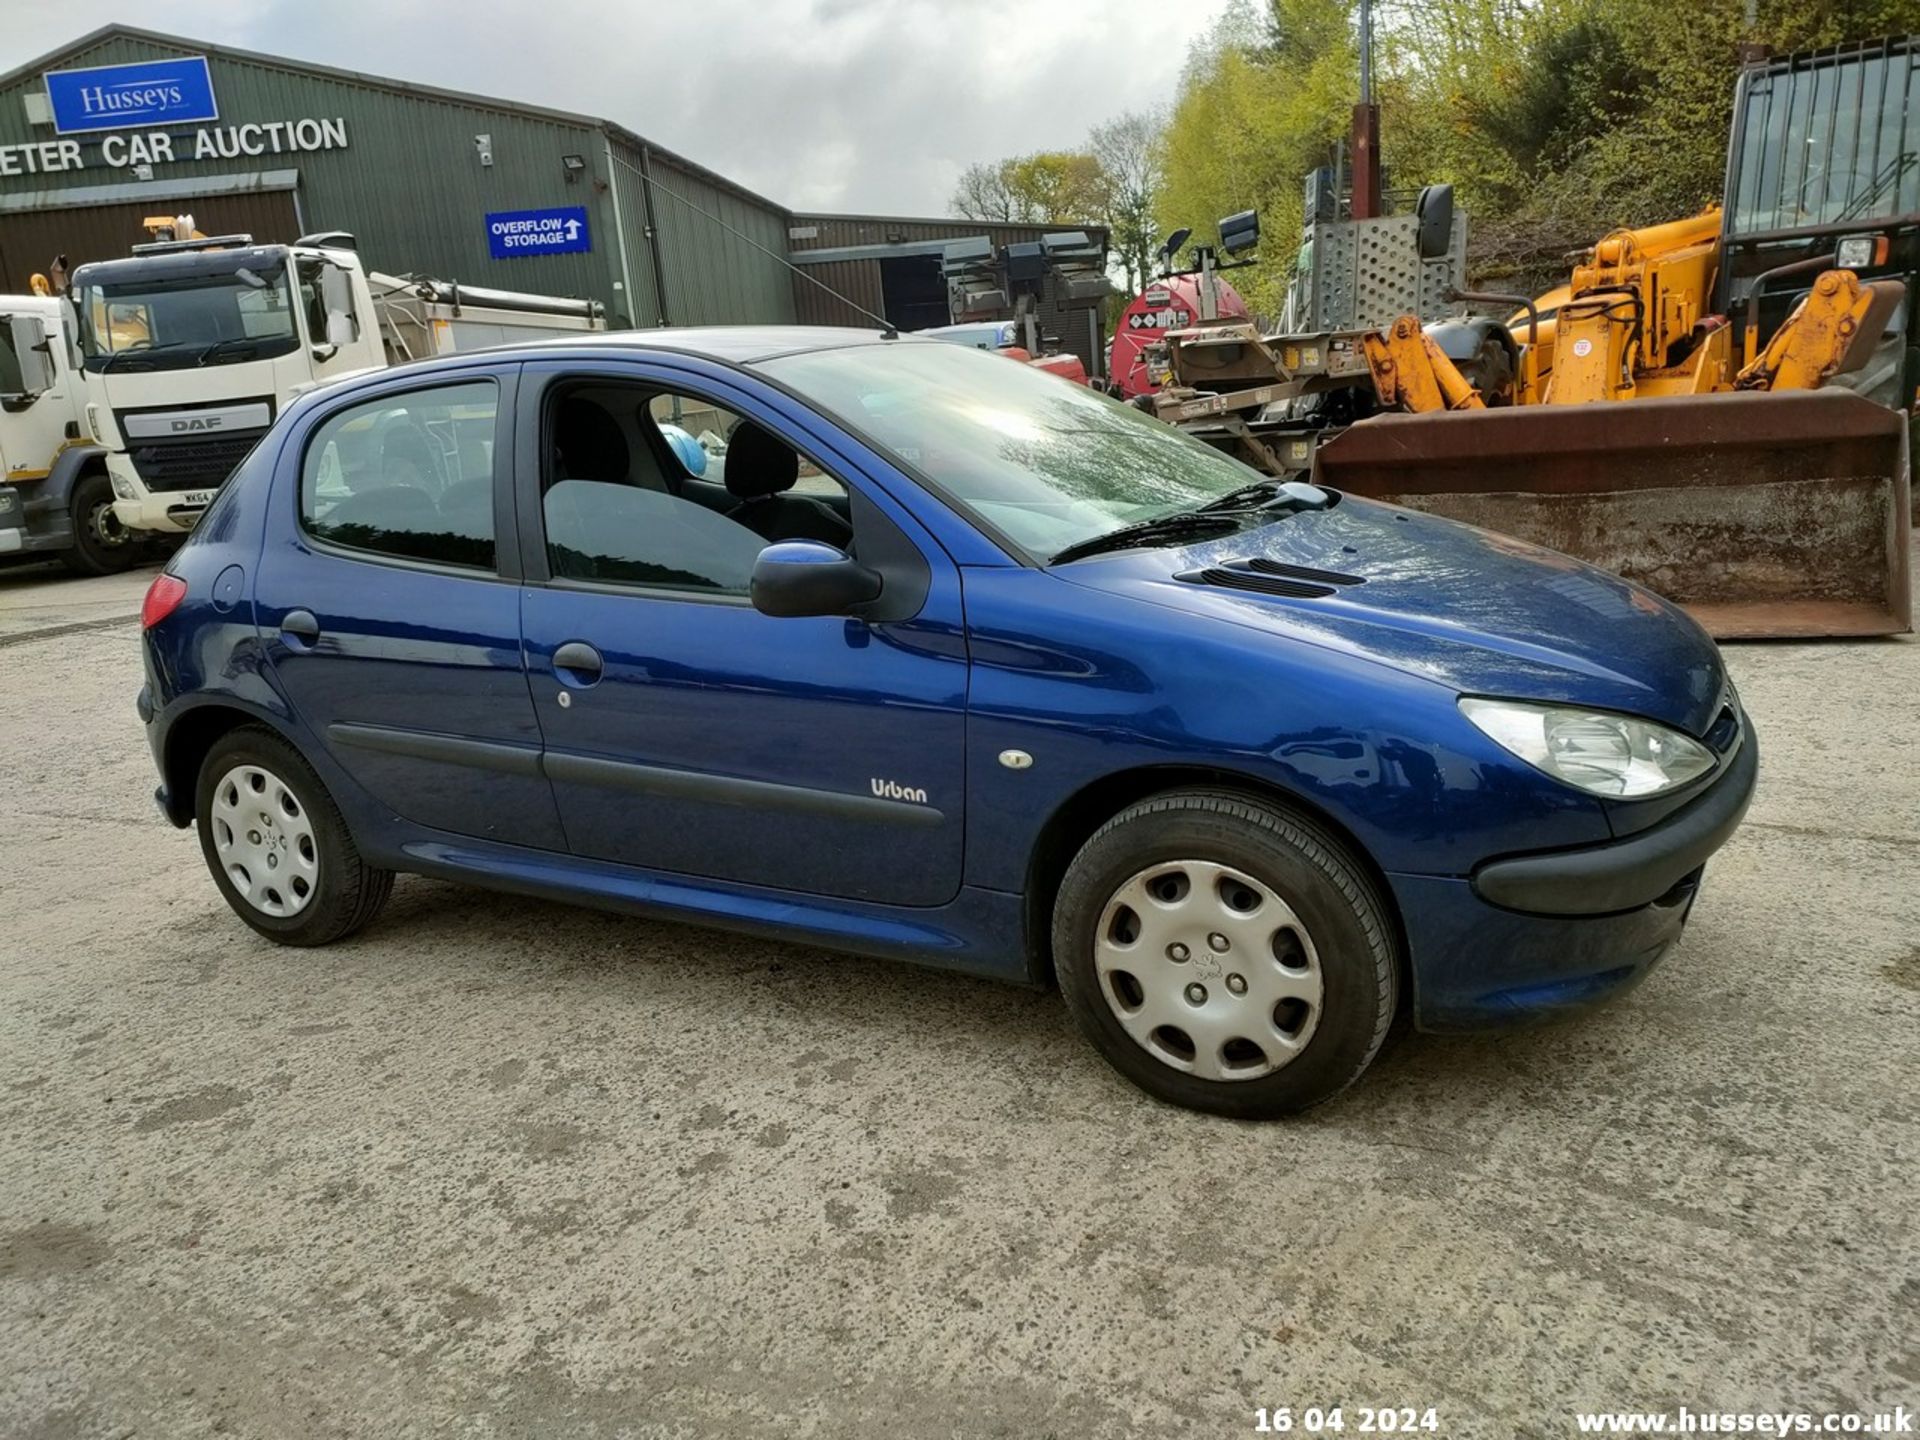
(277, 846)
(1226, 955)
(101, 544)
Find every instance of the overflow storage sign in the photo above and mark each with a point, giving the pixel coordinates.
(516, 234)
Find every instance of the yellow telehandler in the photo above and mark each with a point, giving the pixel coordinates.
(1717, 407)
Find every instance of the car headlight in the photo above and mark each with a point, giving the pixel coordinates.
(1592, 750)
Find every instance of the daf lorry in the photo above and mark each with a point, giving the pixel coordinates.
(191, 347)
(55, 497)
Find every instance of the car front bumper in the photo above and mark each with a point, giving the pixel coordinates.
(1531, 936)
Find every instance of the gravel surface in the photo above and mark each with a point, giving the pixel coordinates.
(504, 1168)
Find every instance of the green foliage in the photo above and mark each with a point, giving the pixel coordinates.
(1260, 105)
(1555, 120)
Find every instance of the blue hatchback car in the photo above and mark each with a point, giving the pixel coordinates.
(935, 656)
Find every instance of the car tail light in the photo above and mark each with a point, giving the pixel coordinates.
(163, 598)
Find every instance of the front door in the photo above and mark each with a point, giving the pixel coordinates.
(685, 731)
(386, 614)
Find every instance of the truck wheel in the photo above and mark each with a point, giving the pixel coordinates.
(276, 843)
(101, 544)
(1226, 955)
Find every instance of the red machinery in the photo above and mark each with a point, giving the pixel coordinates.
(1172, 303)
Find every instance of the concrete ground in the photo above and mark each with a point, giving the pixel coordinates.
(504, 1168)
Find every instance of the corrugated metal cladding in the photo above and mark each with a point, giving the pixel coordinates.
(1075, 325)
(835, 232)
(411, 185)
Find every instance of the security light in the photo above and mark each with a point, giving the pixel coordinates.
(573, 165)
(1241, 232)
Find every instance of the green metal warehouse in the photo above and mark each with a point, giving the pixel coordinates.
(413, 172)
(427, 181)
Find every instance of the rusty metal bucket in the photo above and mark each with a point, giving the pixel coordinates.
(1765, 515)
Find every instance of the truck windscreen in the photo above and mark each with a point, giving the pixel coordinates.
(1826, 141)
(172, 322)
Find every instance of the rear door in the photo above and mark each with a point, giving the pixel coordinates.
(687, 732)
(388, 596)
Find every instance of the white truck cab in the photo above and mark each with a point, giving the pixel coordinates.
(191, 348)
(54, 495)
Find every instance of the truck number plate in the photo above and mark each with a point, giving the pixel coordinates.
(197, 497)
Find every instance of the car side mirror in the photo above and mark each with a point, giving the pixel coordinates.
(806, 577)
(336, 298)
(32, 351)
(1434, 211)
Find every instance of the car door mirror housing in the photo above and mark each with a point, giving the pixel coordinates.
(807, 577)
(31, 351)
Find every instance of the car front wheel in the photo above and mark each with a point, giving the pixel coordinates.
(277, 846)
(1225, 954)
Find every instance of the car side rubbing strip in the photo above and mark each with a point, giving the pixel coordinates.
(731, 790)
(448, 749)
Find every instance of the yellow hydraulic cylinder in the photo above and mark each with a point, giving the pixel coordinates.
(1412, 373)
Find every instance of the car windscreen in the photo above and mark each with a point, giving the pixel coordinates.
(177, 321)
(1038, 460)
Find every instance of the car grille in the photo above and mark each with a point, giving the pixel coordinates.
(201, 463)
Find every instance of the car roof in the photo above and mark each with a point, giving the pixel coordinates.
(730, 344)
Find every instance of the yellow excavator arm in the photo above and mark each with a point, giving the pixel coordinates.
(1831, 331)
(1412, 373)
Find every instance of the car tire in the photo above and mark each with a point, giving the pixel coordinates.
(1265, 986)
(101, 544)
(259, 804)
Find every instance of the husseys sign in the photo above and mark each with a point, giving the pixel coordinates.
(152, 92)
(106, 103)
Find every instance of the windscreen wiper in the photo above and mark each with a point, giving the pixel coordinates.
(1219, 516)
(219, 346)
(1269, 493)
(1186, 525)
(112, 361)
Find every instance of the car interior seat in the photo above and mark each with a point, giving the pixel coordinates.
(760, 471)
(588, 443)
(467, 503)
(407, 459)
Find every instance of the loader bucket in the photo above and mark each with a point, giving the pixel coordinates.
(1764, 514)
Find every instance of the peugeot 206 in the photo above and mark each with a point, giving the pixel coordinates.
(901, 648)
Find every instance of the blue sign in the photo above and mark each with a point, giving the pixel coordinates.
(515, 234)
(111, 97)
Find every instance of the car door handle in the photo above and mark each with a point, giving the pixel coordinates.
(300, 628)
(578, 662)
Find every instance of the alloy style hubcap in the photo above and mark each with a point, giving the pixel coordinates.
(265, 841)
(1209, 970)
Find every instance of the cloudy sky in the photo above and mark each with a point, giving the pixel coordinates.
(857, 105)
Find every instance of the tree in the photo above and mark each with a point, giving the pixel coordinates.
(1263, 100)
(1127, 150)
(984, 193)
(1058, 186)
(1051, 185)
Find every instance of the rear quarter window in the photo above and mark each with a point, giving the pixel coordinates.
(408, 475)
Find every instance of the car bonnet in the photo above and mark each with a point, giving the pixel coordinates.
(1477, 611)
